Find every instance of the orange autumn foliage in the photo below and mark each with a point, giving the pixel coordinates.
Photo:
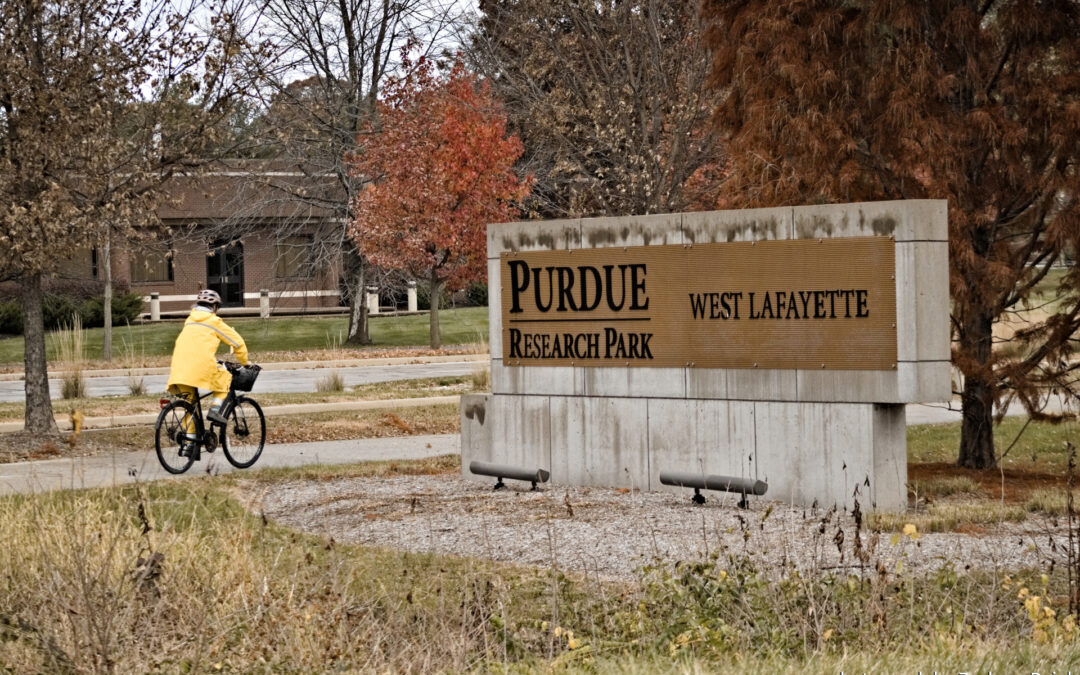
(440, 164)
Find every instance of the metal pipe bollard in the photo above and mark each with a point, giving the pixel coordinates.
(501, 471)
(743, 486)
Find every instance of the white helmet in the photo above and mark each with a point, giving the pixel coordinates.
(208, 297)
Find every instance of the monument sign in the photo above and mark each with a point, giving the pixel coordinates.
(771, 344)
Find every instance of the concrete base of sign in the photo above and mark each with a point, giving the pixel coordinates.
(807, 452)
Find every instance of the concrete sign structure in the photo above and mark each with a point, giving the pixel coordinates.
(771, 344)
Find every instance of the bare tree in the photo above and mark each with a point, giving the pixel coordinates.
(608, 99)
(322, 65)
(100, 103)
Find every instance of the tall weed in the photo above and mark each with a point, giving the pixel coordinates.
(69, 344)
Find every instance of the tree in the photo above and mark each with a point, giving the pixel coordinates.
(608, 99)
(441, 168)
(70, 72)
(322, 64)
(976, 102)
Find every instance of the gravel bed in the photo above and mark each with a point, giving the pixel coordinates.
(611, 533)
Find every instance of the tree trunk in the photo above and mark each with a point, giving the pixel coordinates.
(39, 413)
(977, 399)
(106, 263)
(433, 315)
(354, 275)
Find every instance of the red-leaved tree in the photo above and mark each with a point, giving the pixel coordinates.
(440, 166)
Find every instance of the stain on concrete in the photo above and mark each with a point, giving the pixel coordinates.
(601, 236)
(818, 226)
(476, 411)
(883, 225)
(546, 240)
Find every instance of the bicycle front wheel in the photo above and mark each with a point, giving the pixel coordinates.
(173, 422)
(243, 437)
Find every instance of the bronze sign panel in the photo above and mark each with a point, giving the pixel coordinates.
(786, 304)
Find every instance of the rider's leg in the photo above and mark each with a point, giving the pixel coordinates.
(219, 406)
(191, 395)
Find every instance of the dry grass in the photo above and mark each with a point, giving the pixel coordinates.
(1053, 502)
(177, 577)
(442, 419)
(70, 346)
(481, 379)
(331, 383)
(944, 486)
(949, 516)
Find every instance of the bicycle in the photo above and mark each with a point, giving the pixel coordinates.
(241, 438)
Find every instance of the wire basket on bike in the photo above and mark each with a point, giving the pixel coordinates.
(243, 376)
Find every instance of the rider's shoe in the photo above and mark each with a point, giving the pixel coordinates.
(215, 416)
(188, 443)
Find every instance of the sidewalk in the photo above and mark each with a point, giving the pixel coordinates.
(64, 422)
(121, 468)
(280, 365)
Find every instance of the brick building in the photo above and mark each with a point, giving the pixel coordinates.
(237, 233)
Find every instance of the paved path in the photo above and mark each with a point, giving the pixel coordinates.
(270, 381)
(130, 467)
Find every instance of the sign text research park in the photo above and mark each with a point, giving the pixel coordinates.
(770, 344)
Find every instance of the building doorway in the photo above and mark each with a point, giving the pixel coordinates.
(225, 271)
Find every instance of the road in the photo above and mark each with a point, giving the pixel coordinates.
(270, 381)
(135, 467)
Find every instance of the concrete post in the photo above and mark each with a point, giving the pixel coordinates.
(373, 299)
(411, 292)
(155, 307)
(264, 304)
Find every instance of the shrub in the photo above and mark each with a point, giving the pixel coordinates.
(476, 294)
(57, 310)
(126, 308)
(10, 317)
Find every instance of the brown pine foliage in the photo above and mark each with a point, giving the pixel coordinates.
(976, 102)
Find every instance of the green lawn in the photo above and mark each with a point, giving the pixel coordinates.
(1041, 447)
(459, 326)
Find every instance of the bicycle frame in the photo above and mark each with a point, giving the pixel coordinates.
(197, 404)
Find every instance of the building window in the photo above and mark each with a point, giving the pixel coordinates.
(150, 265)
(294, 256)
(79, 264)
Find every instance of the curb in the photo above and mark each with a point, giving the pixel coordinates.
(279, 365)
(146, 419)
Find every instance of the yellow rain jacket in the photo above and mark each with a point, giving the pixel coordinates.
(193, 360)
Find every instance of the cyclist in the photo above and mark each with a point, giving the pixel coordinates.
(194, 365)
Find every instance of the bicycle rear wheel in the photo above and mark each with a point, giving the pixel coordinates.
(243, 437)
(168, 436)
